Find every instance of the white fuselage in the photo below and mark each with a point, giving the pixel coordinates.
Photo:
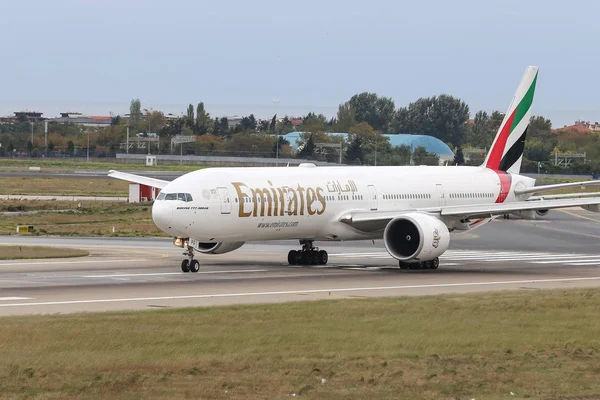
(306, 202)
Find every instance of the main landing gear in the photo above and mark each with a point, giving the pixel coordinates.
(430, 264)
(309, 255)
(190, 264)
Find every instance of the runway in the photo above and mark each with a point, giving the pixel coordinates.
(560, 251)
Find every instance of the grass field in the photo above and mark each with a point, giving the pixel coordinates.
(24, 252)
(63, 186)
(541, 345)
(9, 164)
(94, 218)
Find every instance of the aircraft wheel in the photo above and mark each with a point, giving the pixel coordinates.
(435, 263)
(293, 257)
(314, 258)
(194, 266)
(185, 266)
(304, 258)
(323, 257)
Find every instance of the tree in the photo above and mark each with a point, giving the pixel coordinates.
(50, 145)
(372, 109)
(248, 123)
(29, 146)
(422, 157)
(539, 128)
(308, 150)
(252, 122)
(354, 152)
(224, 126)
(216, 127)
(202, 119)
(346, 118)
(273, 124)
(70, 147)
(285, 126)
(443, 117)
(115, 120)
(190, 121)
(459, 157)
(135, 110)
(263, 126)
(314, 123)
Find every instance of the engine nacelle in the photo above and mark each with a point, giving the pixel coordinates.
(530, 214)
(526, 214)
(416, 236)
(218, 248)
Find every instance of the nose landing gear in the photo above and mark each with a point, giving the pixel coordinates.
(309, 255)
(190, 264)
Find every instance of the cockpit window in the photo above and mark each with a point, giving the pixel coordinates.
(175, 196)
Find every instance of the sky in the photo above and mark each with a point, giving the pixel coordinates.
(273, 56)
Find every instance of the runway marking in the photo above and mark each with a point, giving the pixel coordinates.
(14, 298)
(490, 256)
(579, 216)
(303, 292)
(70, 262)
(174, 273)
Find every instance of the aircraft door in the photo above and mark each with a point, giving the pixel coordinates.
(372, 197)
(440, 195)
(225, 200)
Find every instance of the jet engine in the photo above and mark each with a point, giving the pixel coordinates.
(219, 247)
(416, 236)
(530, 214)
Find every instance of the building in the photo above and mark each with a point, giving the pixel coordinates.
(430, 143)
(83, 120)
(583, 126)
(29, 116)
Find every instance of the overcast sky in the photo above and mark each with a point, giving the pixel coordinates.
(274, 56)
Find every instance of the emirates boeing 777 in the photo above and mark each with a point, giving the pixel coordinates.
(412, 208)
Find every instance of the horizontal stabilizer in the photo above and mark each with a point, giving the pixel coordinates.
(546, 188)
(142, 180)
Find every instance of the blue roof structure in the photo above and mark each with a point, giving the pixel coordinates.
(431, 144)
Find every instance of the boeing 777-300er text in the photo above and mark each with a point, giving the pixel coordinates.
(412, 208)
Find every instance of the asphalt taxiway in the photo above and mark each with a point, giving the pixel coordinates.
(560, 251)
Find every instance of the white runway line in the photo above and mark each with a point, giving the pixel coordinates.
(174, 273)
(71, 262)
(287, 292)
(14, 298)
(492, 256)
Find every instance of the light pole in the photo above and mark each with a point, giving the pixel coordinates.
(277, 148)
(88, 147)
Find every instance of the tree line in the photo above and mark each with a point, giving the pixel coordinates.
(365, 117)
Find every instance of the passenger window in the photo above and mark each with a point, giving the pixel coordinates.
(188, 197)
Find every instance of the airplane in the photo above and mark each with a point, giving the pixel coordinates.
(412, 208)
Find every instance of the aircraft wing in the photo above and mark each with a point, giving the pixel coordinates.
(546, 188)
(371, 221)
(143, 180)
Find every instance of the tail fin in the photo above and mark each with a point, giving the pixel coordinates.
(506, 152)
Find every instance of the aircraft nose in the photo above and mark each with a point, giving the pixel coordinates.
(162, 214)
